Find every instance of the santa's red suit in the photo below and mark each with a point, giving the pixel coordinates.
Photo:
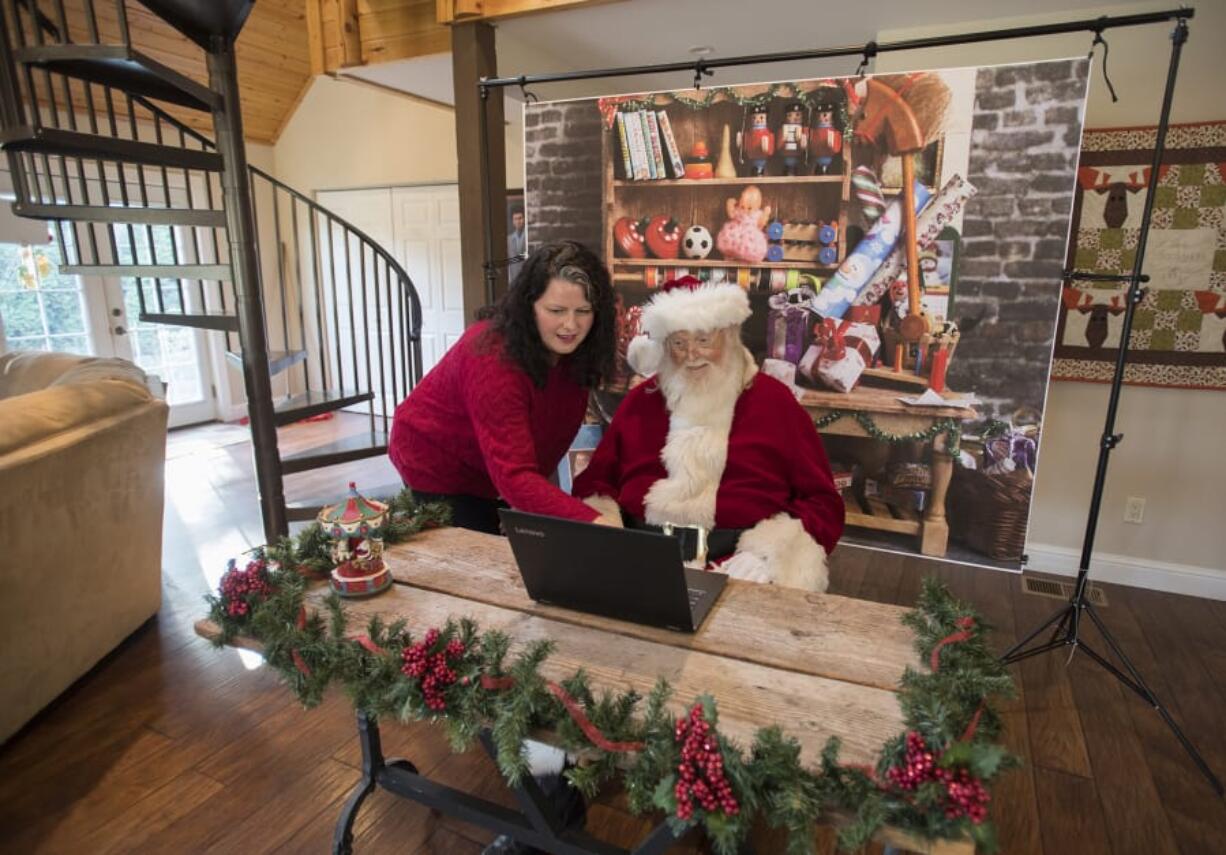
(763, 470)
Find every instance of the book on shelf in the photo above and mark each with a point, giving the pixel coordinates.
(624, 147)
(657, 147)
(670, 145)
(648, 154)
(638, 149)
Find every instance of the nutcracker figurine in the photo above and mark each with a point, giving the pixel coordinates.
(793, 137)
(758, 143)
(825, 140)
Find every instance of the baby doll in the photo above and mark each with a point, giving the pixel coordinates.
(742, 237)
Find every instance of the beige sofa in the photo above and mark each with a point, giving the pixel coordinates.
(82, 449)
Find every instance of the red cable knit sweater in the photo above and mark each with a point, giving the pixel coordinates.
(478, 425)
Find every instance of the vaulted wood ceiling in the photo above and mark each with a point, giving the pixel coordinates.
(274, 66)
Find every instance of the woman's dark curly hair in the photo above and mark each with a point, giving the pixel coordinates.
(513, 317)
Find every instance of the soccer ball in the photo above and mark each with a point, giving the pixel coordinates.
(697, 242)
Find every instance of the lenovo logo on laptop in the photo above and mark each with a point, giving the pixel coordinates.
(531, 532)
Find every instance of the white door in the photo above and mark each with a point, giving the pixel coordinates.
(420, 226)
(349, 331)
(426, 225)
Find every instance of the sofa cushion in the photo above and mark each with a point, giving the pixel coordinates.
(39, 415)
(22, 372)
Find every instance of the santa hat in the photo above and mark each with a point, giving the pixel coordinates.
(684, 304)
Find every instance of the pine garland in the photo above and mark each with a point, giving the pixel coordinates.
(928, 780)
(950, 427)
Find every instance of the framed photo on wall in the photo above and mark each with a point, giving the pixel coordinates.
(517, 232)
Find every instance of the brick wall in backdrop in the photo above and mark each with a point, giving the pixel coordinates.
(1027, 130)
(562, 175)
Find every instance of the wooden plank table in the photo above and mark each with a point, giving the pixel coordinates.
(893, 416)
(817, 665)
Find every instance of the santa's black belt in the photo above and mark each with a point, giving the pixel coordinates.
(721, 542)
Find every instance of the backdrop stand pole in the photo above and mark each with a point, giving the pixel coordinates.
(1068, 621)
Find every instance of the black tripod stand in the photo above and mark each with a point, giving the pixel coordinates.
(1068, 621)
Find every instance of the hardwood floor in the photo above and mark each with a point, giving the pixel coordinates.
(170, 746)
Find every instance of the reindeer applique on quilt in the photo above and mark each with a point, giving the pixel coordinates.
(1179, 332)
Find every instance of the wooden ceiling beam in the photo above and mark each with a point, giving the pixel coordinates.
(455, 11)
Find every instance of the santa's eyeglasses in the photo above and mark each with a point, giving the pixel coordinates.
(682, 343)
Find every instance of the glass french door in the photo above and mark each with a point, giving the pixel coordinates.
(43, 309)
(176, 355)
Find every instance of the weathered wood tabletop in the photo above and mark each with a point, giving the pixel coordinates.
(817, 665)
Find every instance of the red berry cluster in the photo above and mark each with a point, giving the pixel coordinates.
(966, 795)
(918, 766)
(433, 670)
(237, 584)
(701, 769)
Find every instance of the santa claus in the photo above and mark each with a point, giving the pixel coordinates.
(712, 450)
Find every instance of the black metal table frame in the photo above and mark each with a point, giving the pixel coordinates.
(536, 823)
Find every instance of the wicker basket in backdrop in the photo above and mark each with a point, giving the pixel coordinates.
(988, 512)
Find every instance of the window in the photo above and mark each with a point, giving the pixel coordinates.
(42, 309)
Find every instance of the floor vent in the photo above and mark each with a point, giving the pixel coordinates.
(1060, 590)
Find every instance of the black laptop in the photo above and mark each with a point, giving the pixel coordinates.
(621, 573)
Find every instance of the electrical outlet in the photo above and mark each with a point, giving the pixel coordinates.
(1134, 510)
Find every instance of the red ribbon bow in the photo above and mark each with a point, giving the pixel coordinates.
(831, 338)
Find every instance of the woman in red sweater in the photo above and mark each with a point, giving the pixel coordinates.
(493, 418)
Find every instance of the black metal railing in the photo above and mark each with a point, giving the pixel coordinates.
(140, 196)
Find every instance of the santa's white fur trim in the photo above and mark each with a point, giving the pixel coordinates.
(606, 506)
(793, 557)
(696, 448)
(707, 307)
(644, 355)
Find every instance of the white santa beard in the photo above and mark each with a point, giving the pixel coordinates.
(696, 449)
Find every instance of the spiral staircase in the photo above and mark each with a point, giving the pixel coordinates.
(213, 243)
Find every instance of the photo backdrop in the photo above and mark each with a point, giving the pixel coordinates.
(794, 190)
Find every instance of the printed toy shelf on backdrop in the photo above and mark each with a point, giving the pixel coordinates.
(1179, 332)
(874, 223)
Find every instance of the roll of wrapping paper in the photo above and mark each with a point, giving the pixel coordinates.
(928, 226)
(870, 253)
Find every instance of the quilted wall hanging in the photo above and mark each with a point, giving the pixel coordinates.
(1179, 334)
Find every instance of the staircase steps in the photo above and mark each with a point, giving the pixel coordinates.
(201, 20)
(59, 142)
(350, 448)
(298, 407)
(201, 217)
(204, 321)
(278, 360)
(120, 67)
(211, 272)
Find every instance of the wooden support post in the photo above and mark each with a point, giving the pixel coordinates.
(482, 162)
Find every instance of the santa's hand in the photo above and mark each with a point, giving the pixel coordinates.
(605, 519)
(748, 567)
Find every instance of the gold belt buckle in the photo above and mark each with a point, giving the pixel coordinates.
(700, 545)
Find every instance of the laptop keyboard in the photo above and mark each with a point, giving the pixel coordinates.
(696, 595)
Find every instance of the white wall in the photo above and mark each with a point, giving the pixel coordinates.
(1170, 454)
(346, 135)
